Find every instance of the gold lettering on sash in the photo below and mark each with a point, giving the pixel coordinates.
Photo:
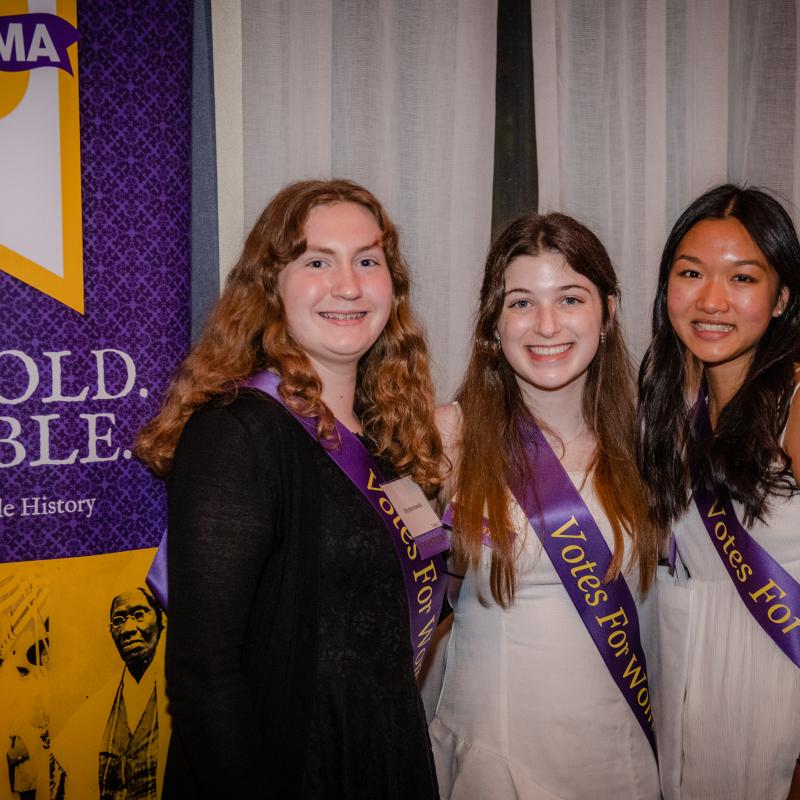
(635, 670)
(424, 599)
(714, 511)
(372, 483)
(386, 506)
(589, 584)
(426, 571)
(600, 596)
(586, 582)
(560, 533)
(643, 699)
(770, 592)
(637, 676)
(764, 590)
(411, 550)
(616, 618)
(735, 558)
(783, 618)
(590, 565)
(577, 553)
(426, 574)
(426, 633)
(778, 613)
(619, 642)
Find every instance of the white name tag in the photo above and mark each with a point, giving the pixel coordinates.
(410, 503)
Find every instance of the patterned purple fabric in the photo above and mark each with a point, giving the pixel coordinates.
(134, 63)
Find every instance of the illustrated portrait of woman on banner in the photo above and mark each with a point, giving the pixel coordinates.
(115, 742)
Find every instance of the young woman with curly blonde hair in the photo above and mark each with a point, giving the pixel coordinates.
(291, 655)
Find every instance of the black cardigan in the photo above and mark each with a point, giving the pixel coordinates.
(243, 565)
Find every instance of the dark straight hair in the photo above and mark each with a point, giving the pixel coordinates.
(743, 455)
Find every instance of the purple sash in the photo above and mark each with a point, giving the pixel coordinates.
(581, 557)
(447, 521)
(607, 610)
(156, 578)
(767, 590)
(424, 578)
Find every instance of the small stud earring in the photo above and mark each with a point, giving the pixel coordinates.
(602, 337)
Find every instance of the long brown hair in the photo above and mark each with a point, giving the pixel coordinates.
(491, 452)
(247, 331)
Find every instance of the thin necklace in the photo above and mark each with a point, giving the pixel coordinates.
(564, 442)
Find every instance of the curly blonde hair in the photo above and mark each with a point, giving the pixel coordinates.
(247, 331)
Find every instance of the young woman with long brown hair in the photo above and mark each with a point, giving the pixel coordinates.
(545, 692)
(719, 445)
(291, 653)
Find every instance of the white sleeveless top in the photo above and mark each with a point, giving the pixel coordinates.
(728, 710)
(528, 708)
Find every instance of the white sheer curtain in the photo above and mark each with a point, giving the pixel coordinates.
(395, 94)
(641, 106)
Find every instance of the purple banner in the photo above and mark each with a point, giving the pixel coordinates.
(424, 578)
(75, 389)
(768, 591)
(30, 41)
(579, 554)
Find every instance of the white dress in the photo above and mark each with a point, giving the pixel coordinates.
(528, 708)
(728, 710)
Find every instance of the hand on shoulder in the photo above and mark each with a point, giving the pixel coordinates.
(448, 421)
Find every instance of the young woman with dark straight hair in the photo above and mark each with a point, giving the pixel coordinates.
(551, 533)
(719, 448)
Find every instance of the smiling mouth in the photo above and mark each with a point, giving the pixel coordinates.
(713, 327)
(548, 350)
(343, 317)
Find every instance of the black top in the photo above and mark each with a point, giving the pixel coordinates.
(289, 666)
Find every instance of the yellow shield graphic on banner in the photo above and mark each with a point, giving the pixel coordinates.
(41, 239)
